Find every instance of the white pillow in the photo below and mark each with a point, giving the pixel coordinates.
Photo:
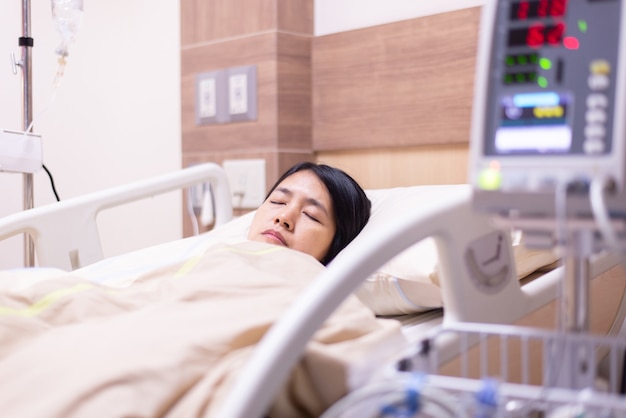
(409, 282)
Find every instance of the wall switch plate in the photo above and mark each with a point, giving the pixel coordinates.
(246, 179)
(20, 152)
(211, 100)
(242, 93)
(207, 97)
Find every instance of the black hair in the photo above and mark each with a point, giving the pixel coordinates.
(350, 203)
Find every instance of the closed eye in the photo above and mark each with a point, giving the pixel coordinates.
(313, 218)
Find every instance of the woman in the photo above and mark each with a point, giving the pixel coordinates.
(313, 208)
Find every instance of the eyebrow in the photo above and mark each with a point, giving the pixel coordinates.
(308, 200)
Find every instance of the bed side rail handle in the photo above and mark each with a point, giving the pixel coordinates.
(66, 234)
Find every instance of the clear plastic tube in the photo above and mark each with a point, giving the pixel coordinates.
(601, 215)
(367, 401)
(67, 15)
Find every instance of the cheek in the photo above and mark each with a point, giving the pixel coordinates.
(264, 212)
(257, 221)
(320, 240)
(329, 235)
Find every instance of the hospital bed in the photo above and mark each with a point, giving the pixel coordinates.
(547, 155)
(407, 264)
(450, 219)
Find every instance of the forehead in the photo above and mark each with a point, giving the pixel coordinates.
(305, 183)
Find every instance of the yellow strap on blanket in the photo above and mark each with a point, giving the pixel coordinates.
(45, 302)
(192, 262)
(52, 297)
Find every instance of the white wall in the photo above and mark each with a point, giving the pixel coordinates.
(115, 117)
(332, 16)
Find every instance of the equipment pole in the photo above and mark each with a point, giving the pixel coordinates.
(26, 43)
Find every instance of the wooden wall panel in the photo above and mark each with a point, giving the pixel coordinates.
(295, 16)
(398, 167)
(275, 36)
(294, 92)
(276, 163)
(214, 20)
(364, 100)
(400, 84)
(257, 50)
(283, 64)
(211, 20)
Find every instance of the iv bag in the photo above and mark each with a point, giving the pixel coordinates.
(67, 15)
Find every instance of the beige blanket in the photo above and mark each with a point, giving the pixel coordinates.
(171, 344)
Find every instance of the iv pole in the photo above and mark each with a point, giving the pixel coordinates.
(26, 43)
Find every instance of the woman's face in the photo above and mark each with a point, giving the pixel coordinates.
(298, 214)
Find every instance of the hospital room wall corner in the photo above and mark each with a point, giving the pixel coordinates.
(276, 41)
(278, 46)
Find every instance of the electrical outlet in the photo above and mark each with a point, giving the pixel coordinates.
(207, 98)
(242, 93)
(211, 100)
(246, 179)
(238, 94)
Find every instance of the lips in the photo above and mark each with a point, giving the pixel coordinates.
(275, 237)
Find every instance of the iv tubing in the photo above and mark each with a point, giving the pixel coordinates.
(600, 214)
(193, 217)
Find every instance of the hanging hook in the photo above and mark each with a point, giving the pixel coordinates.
(14, 63)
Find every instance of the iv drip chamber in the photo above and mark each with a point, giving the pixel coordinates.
(67, 16)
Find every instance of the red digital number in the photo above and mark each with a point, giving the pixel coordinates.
(535, 37)
(522, 10)
(558, 7)
(554, 34)
(542, 8)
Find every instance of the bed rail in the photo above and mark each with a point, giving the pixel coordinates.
(66, 233)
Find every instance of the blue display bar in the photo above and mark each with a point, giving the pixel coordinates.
(536, 99)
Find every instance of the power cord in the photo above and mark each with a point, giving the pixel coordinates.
(54, 189)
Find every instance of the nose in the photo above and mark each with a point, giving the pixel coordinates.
(283, 220)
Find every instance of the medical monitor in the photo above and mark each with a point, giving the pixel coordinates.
(549, 107)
